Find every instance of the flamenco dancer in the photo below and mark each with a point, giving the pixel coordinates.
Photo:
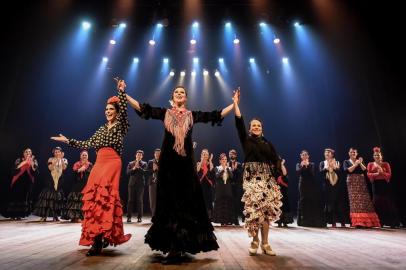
(25, 171)
(181, 223)
(262, 196)
(81, 169)
(102, 210)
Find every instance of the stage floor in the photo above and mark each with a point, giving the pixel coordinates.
(28, 244)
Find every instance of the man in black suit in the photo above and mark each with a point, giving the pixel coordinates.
(137, 171)
(152, 179)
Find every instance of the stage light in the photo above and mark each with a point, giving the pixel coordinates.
(221, 60)
(195, 24)
(195, 60)
(236, 41)
(228, 24)
(166, 60)
(285, 60)
(159, 25)
(276, 40)
(171, 73)
(205, 73)
(122, 25)
(136, 60)
(182, 73)
(262, 24)
(193, 73)
(86, 25)
(105, 59)
(217, 73)
(252, 60)
(151, 42)
(193, 41)
(296, 24)
(112, 42)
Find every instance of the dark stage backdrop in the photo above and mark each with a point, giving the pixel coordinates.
(343, 89)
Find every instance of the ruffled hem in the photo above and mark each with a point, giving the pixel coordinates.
(224, 212)
(181, 233)
(73, 208)
(17, 210)
(365, 220)
(102, 211)
(262, 197)
(285, 218)
(50, 203)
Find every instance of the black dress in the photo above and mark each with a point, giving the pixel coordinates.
(238, 191)
(180, 222)
(19, 203)
(336, 207)
(310, 208)
(74, 204)
(207, 181)
(51, 199)
(286, 216)
(224, 212)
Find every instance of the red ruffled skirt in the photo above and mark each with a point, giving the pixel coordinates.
(102, 209)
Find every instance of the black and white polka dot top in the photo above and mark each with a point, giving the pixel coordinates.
(105, 137)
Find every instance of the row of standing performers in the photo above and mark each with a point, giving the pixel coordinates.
(344, 201)
(52, 201)
(337, 199)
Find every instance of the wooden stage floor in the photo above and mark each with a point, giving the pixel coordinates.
(28, 244)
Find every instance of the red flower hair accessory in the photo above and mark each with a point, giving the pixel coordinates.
(113, 99)
(377, 149)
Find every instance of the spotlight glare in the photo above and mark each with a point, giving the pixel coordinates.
(285, 60)
(152, 42)
(296, 24)
(205, 73)
(236, 41)
(105, 59)
(86, 25)
(195, 60)
(217, 73)
(195, 24)
(276, 40)
(112, 42)
(221, 60)
(193, 73)
(252, 60)
(136, 60)
(228, 24)
(182, 73)
(193, 41)
(159, 25)
(262, 24)
(171, 73)
(166, 60)
(122, 25)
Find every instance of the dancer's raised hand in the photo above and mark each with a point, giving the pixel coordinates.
(120, 84)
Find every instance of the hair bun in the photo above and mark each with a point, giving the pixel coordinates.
(377, 149)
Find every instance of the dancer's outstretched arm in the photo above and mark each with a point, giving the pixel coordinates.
(133, 103)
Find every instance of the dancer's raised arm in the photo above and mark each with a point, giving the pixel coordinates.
(133, 103)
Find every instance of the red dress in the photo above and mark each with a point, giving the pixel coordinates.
(102, 209)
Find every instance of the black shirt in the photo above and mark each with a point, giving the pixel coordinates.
(256, 149)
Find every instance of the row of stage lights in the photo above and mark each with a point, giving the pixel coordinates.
(87, 25)
(285, 60)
